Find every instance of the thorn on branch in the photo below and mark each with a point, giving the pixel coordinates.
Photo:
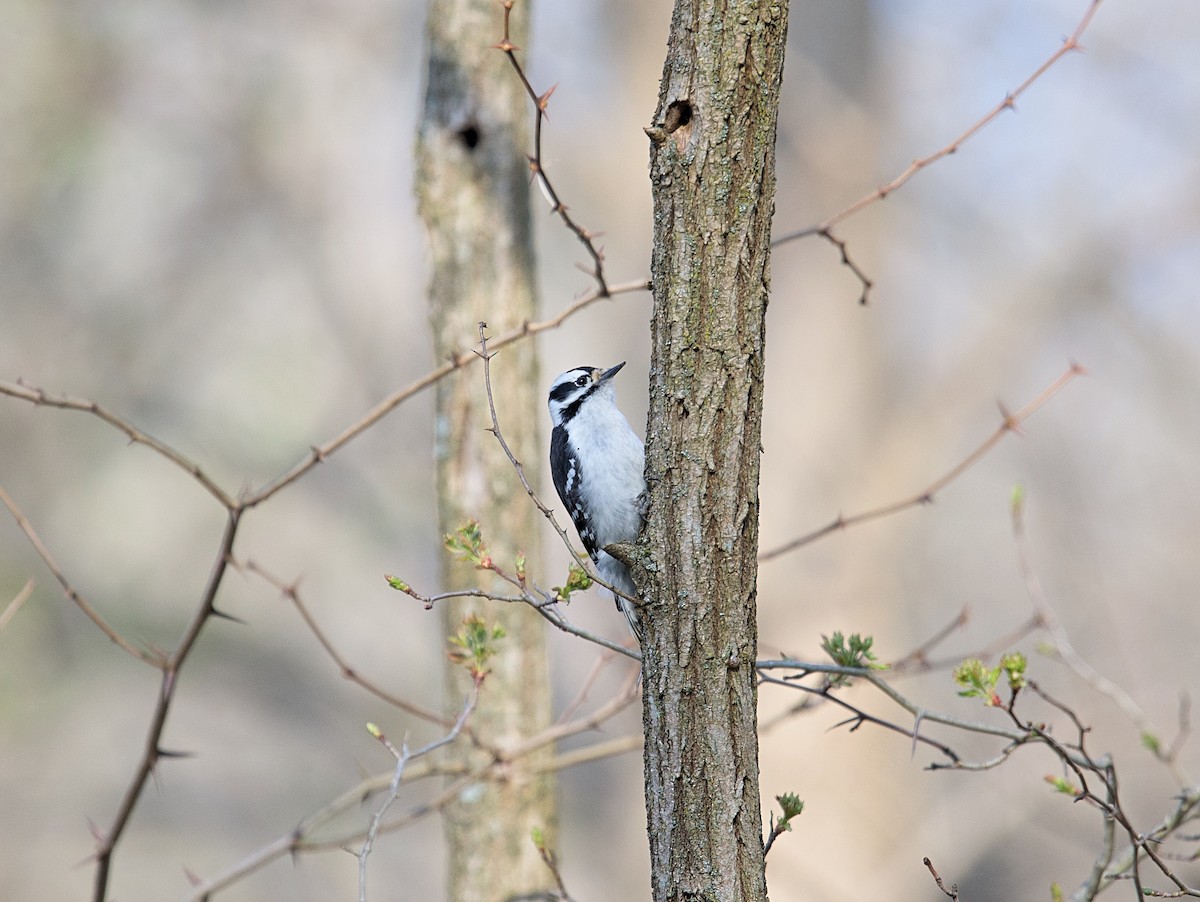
(540, 103)
(1011, 422)
(160, 752)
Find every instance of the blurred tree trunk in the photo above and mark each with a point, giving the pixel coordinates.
(473, 192)
(712, 174)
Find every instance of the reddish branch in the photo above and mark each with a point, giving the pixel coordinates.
(825, 229)
(540, 102)
(1009, 422)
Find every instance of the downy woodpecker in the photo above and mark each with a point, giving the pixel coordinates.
(598, 464)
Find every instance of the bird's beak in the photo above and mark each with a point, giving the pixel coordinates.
(610, 372)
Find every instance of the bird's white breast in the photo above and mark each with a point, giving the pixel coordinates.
(613, 472)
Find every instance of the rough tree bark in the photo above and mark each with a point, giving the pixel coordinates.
(712, 174)
(473, 191)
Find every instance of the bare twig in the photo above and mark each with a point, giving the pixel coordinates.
(41, 398)
(541, 601)
(486, 356)
(843, 249)
(154, 659)
(10, 610)
(602, 661)
(918, 658)
(291, 592)
(1186, 810)
(1094, 779)
(937, 878)
(318, 453)
(1069, 45)
(403, 757)
(1010, 422)
(554, 614)
(1060, 641)
(558, 732)
(538, 169)
(398, 397)
(598, 752)
(551, 861)
(306, 836)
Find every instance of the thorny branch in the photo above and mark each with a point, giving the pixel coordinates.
(291, 592)
(455, 363)
(824, 229)
(41, 398)
(1009, 422)
(235, 506)
(540, 102)
(151, 658)
(1089, 778)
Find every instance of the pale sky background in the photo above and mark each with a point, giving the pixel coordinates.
(207, 225)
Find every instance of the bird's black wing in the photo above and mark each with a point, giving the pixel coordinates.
(567, 472)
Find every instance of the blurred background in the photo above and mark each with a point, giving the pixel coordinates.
(207, 224)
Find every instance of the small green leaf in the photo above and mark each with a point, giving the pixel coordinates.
(1062, 785)
(539, 839)
(467, 542)
(977, 681)
(577, 581)
(1056, 893)
(474, 645)
(792, 806)
(398, 584)
(1152, 742)
(853, 653)
(1014, 665)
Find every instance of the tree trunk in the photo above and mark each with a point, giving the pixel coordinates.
(473, 191)
(712, 173)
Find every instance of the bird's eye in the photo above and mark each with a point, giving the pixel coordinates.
(581, 381)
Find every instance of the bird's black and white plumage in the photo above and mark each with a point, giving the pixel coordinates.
(598, 464)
